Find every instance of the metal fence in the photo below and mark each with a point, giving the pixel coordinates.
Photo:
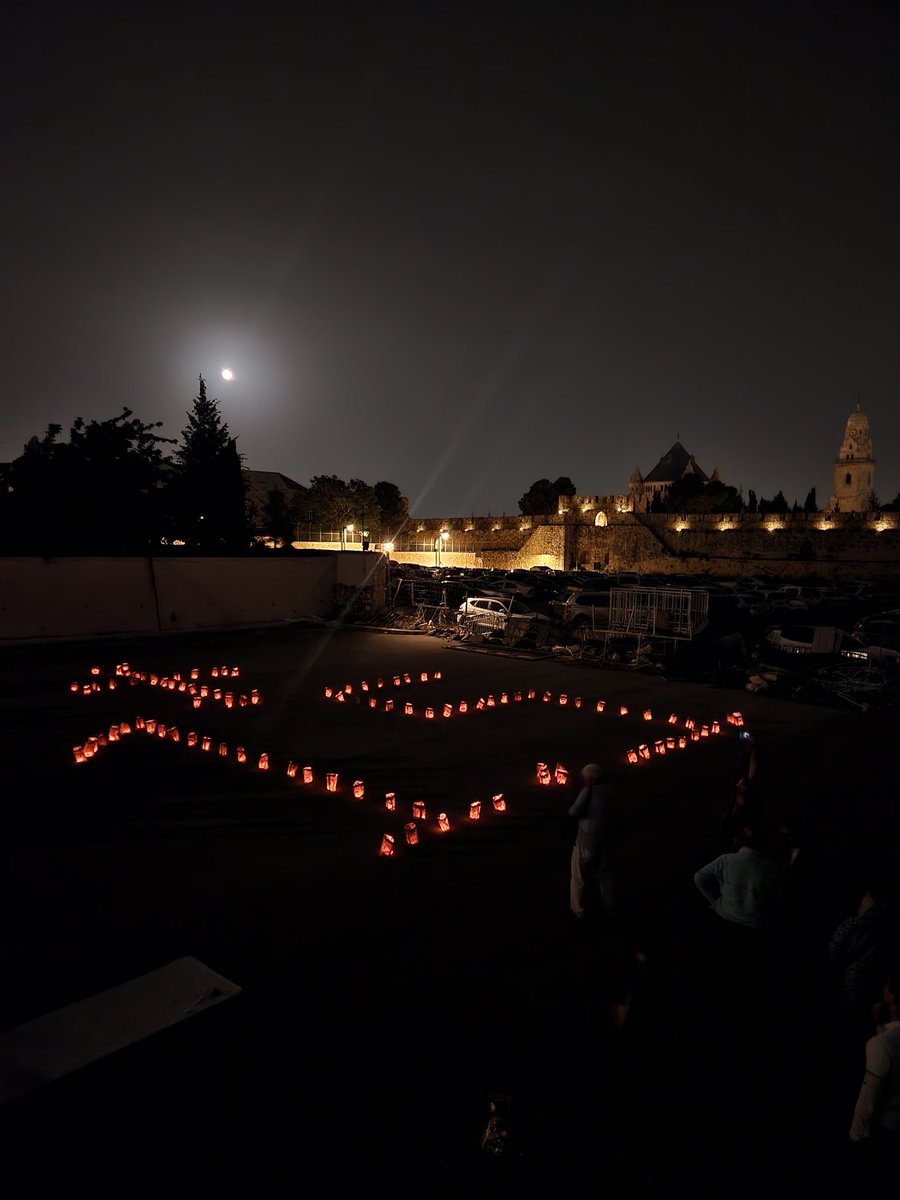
(676, 613)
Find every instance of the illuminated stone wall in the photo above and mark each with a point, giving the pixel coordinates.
(601, 533)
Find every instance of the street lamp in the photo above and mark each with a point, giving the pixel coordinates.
(439, 542)
(347, 529)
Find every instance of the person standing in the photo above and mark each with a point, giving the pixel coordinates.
(590, 853)
(877, 1111)
(747, 807)
(744, 888)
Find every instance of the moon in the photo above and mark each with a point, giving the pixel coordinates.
(227, 374)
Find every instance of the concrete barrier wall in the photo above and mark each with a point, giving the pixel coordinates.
(217, 593)
(71, 597)
(43, 598)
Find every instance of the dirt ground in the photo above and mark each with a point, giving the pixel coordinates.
(385, 1000)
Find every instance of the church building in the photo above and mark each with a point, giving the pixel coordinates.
(671, 468)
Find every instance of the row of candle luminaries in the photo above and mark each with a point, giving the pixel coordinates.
(694, 733)
(198, 692)
(170, 733)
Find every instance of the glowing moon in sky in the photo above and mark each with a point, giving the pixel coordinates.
(227, 374)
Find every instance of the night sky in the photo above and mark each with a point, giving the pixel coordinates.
(460, 247)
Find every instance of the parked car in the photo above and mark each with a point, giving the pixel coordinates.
(792, 597)
(827, 639)
(583, 610)
(881, 629)
(491, 614)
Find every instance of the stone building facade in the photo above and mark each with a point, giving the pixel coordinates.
(854, 468)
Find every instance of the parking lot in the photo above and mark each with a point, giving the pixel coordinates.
(383, 999)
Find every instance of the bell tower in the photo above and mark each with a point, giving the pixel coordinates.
(854, 467)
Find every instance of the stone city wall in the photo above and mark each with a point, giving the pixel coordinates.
(601, 536)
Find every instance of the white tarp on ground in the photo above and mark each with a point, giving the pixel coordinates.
(80, 1033)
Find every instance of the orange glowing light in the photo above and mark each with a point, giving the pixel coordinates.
(241, 754)
(387, 846)
(411, 833)
(331, 781)
(291, 770)
(390, 801)
(498, 802)
(475, 810)
(307, 774)
(443, 822)
(359, 789)
(418, 810)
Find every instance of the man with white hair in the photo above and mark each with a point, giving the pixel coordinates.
(589, 857)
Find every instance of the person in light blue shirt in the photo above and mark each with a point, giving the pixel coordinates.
(743, 886)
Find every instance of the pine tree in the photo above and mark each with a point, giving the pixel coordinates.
(209, 489)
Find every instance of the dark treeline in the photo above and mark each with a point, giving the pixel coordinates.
(118, 486)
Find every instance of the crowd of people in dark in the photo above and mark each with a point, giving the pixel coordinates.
(729, 1032)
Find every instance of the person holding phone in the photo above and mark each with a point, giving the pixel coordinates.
(746, 810)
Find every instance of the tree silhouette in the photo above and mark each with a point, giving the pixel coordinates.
(98, 493)
(209, 492)
(393, 510)
(542, 498)
(278, 518)
(809, 504)
(691, 494)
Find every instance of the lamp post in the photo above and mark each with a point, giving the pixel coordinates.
(439, 543)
